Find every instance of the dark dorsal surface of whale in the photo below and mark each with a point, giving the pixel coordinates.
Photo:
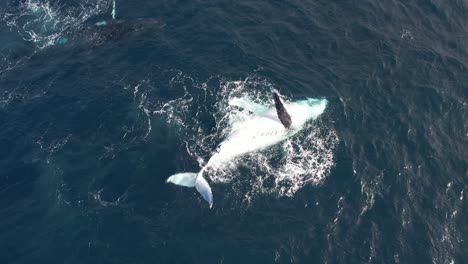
(110, 30)
(283, 115)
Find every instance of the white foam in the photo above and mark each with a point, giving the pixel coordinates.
(113, 9)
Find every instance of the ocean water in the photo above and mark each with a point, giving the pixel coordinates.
(93, 119)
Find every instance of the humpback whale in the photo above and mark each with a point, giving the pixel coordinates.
(107, 30)
(267, 127)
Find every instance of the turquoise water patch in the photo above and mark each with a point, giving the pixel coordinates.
(62, 41)
(101, 23)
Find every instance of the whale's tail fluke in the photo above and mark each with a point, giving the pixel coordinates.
(189, 179)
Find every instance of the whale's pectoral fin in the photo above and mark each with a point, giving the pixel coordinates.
(283, 115)
(249, 105)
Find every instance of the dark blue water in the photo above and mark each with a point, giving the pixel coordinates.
(94, 119)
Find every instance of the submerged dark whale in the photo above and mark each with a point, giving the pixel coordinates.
(109, 30)
(85, 37)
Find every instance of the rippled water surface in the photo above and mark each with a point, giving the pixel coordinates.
(94, 116)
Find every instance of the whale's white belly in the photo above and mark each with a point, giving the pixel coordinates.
(264, 130)
(256, 134)
(259, 133)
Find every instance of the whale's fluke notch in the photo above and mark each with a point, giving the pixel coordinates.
(283, 115)
(189, 179)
